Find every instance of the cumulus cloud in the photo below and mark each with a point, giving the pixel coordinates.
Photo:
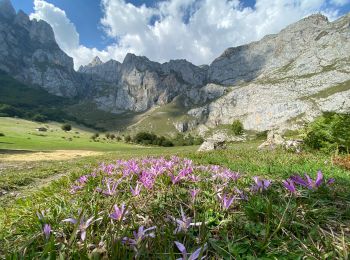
(197, 30)
(66, 34)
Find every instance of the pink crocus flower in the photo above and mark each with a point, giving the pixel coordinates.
(193, 193)
(184, 253)
(226, 201)
(137, 190)
(119, 213)
(82, 223)
(289, 185)
(47, 231)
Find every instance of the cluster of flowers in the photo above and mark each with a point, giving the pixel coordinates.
(142, 174)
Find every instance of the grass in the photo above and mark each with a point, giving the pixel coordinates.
(270, 225)
(161, 120)
(345, 86)
(22, 134)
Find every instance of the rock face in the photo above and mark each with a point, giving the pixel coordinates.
(285, 79)
(279, 82)
(29, 53)
(138, 84)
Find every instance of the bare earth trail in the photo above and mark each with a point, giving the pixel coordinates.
(13, 161)
(56, 155)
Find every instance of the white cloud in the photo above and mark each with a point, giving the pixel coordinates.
(66, 34)
(197, 30)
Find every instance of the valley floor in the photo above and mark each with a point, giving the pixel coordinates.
(37, 176)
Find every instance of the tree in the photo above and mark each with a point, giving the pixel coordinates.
(237, 127)
(66, 127)
(127, 138)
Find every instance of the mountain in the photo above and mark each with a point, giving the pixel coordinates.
(29, 53)
(281, 81)
(138, 84)
(286, 79)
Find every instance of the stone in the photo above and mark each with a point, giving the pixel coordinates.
(210, 145)
(273, 141)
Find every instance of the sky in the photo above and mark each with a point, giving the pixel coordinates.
(196, 30)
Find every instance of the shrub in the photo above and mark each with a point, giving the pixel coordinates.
(127, 139)
(146, 138)
(39, 118)
(112, 136)
(66, 127)
(329, 132)
(2, 134)
(94, 136)
(237, 127)
(108, 135)
(118, 138)
(262, 135)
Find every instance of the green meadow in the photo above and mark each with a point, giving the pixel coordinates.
(270, 224)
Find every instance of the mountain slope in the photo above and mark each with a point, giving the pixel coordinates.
(29, 53)
(281, 81)
(305, 71)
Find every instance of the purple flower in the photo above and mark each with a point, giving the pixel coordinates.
(82, 225)
(184, 253)
(139, 236)
(309, 183)
(289, 185)
(183, 223)
(226, 201)
(119, 213)
(47, 231)
(147, 179)
(111, 187)
(241, 194)
(194, 193)
(330, 181)
(260, 184)
(137, 190)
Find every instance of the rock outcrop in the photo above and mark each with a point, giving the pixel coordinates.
(29, 53)
(138, 84)
(284, 80)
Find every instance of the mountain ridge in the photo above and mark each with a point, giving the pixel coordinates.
(312, 52)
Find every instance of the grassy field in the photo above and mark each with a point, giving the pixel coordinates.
(271, 224)
(22, 134)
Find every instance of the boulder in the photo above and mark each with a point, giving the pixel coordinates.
(210, 145)
(273, 141)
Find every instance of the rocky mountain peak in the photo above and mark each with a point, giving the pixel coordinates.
(6, 9)
(22, 19)
(95, 62)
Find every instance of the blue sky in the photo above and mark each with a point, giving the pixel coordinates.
(198, 30)
(91, 34)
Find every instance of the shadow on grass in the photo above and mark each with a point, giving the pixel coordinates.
(10, 151)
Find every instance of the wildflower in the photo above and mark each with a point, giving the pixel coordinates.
(82, 179)
(111, 187)
(194, 193)
(41, 214)
(83, 225)
(119, 213)
(309, 183)
(184, 223)
(139, 236)
(260, 184)
(75, 188)
(241, 194)
(289, 185)
(226, 201)
(184, 253)
(47, 231)
(137, 190)
(147, 179)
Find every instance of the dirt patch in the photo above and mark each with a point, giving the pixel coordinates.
(342, 161)
(48, 155)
